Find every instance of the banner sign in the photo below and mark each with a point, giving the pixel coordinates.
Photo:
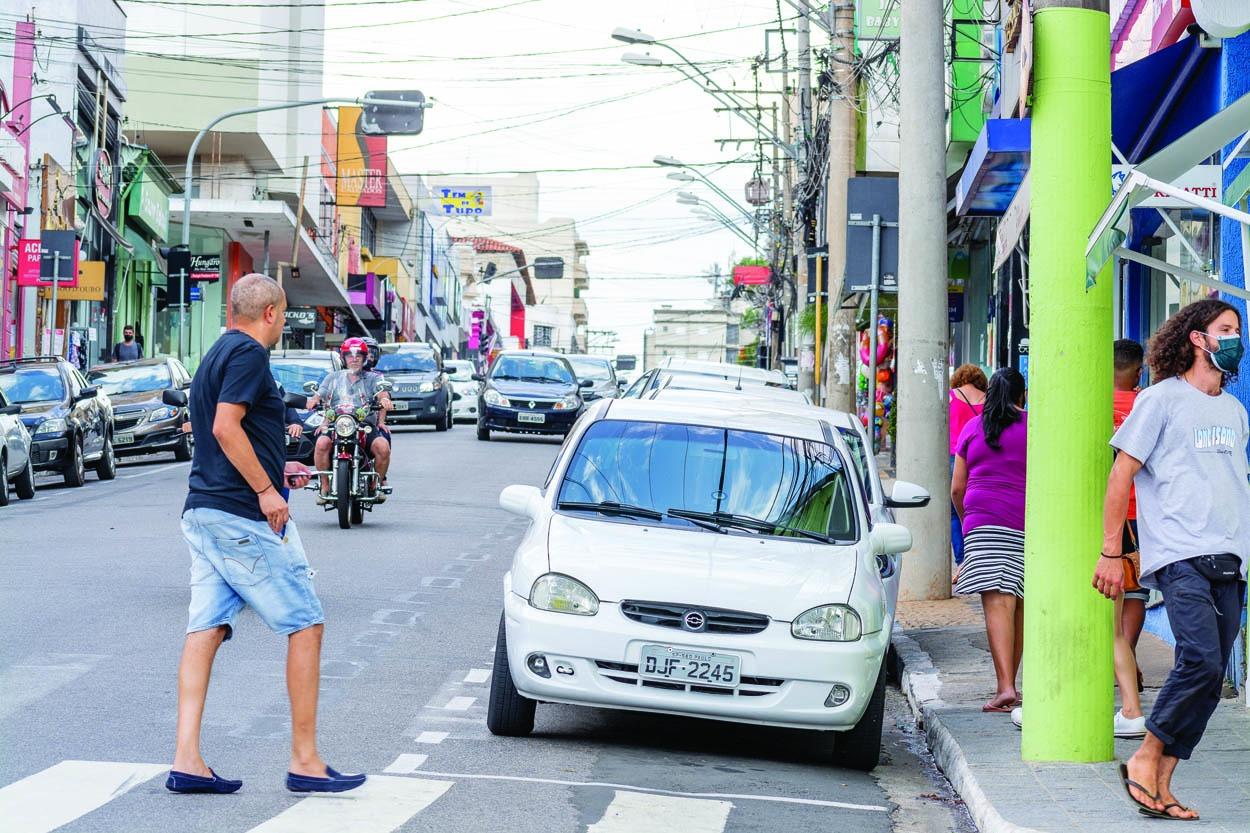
(465, 200)
(302, 318)
(89, 287)
(205, 267)
(361, 163)
(752, 275)
(54, 253)
(1200, 180)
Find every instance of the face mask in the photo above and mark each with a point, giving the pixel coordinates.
(1227, 356)
(129, 336)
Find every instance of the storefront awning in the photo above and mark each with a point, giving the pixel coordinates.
(998, 162)
(1158, 99)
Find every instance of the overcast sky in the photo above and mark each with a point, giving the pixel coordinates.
(539, 85)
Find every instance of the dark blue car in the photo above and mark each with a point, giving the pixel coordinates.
(527, 392)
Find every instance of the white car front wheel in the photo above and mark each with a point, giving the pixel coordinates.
(508, 714)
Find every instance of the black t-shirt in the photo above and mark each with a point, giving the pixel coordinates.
(235, 370)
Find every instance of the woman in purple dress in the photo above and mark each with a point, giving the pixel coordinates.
(987, 489)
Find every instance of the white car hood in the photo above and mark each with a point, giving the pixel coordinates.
(777, 577)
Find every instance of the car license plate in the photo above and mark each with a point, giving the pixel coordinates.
(400, 404)
(124, 438)
(535, 418)
(661, 662)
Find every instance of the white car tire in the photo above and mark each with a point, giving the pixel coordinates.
(508, 714)
(860, 748)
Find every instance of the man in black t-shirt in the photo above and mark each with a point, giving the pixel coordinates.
(245, 549)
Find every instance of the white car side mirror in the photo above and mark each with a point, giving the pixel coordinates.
(520, 500)
(889, 539)
(906, 495)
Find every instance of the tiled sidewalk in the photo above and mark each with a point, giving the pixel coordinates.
(947, 676)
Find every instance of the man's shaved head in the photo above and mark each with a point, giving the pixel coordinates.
(252, 294)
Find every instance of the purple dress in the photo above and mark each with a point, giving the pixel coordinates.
(993, 509)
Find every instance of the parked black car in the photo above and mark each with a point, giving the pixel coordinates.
(421, 395)
(142, 422)
(70, 420)
(529, 392)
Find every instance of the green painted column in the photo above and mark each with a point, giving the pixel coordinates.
(1068, 671)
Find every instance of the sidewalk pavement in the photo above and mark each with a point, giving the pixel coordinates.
(947, 676)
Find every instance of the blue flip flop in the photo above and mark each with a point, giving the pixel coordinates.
(336, 782)
(185, 782)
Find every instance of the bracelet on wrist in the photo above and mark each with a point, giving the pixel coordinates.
(262, 491)
(1104, 555)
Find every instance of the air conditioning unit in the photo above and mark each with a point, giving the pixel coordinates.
(260, 192)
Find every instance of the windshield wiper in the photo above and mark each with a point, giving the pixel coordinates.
(729, 519)
(611, 507)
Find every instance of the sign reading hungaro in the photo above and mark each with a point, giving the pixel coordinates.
(361, 163)
(102, 179)
(878, 19)
(465, 200)
(205, 267)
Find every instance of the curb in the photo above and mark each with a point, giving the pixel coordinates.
(921, 686)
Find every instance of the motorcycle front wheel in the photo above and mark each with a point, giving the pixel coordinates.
(343, 492)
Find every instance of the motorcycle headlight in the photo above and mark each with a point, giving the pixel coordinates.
(345, 426)
(568, 403)
(829, 623)
(426, 387)
(561, 594)
(51, 426)
(494, 397)
(163, 412)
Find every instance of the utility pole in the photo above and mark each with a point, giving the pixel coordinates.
(838, 368)
(923, 331)
(1068, 633)
(803, 88)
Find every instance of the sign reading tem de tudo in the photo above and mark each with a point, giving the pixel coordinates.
(465, 200)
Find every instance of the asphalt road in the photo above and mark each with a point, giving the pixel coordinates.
(93, 595)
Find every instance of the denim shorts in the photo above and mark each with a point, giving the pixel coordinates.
(236, 562)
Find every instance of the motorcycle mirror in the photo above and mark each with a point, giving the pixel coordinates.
(310, 387)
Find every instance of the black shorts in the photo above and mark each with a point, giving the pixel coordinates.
(378, 431)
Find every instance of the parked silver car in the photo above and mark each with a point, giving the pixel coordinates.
(16, 466)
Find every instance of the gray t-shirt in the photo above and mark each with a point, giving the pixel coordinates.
(344, 387)
(1193, 496)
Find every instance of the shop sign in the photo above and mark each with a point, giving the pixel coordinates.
(90, 285)
(1012, 224)
(752, 275)
(465, 200)
(59, 197)
(877, 20)
(102, 179)
(197, 293)
(149, 206)
(302, 318)
(28, 262)
(205, 267)
(55, 252)
(1201, 181)
(361, 163)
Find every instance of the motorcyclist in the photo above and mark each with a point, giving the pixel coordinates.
(356, 386)
(375, 352)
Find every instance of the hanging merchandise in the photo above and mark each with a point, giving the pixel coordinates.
(880, 410)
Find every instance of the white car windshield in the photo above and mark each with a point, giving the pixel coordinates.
(531, 369)
(715, 478)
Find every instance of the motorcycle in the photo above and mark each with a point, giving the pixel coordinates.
(354, 485)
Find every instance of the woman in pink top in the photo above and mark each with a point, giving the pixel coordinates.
(988, 491)
(968, 387)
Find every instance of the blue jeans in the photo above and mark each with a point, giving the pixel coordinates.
(237, 562)
(957, 528)
(1205, 616)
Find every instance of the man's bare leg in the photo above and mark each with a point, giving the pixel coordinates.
(381, 457)
(321, 458)
(1144, 768)
(194, 670)
(1167, 765)
(303, 678)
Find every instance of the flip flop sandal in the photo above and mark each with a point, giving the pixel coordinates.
(1164, 814)
(989, 708)
(1141, 808)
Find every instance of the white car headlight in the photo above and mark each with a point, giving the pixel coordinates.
(561, 594)
(828, 623)
(426, 387)
(51, 426)
(494, 397)
(163, 412)
(345, 426)
(568, 403)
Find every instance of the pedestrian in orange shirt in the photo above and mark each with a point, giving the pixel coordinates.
(1130, 608)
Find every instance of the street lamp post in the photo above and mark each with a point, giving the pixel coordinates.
(691, 174)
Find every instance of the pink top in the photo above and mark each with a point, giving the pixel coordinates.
(961, 412)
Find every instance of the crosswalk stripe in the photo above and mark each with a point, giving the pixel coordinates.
(63, 792)
(632, 812)
(406, 764)
(478, 675)
(384, 803)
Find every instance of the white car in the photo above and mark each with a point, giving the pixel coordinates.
(704, 561)
(724, 370)
(464, 405)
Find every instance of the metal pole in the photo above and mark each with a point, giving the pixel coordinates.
(1068, 646)
(56, 282)
(873, 295)
(816, 370)
(838, 385)
(266, 269)
(923, 446)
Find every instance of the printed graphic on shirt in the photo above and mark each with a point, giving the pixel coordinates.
(1222, 438)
